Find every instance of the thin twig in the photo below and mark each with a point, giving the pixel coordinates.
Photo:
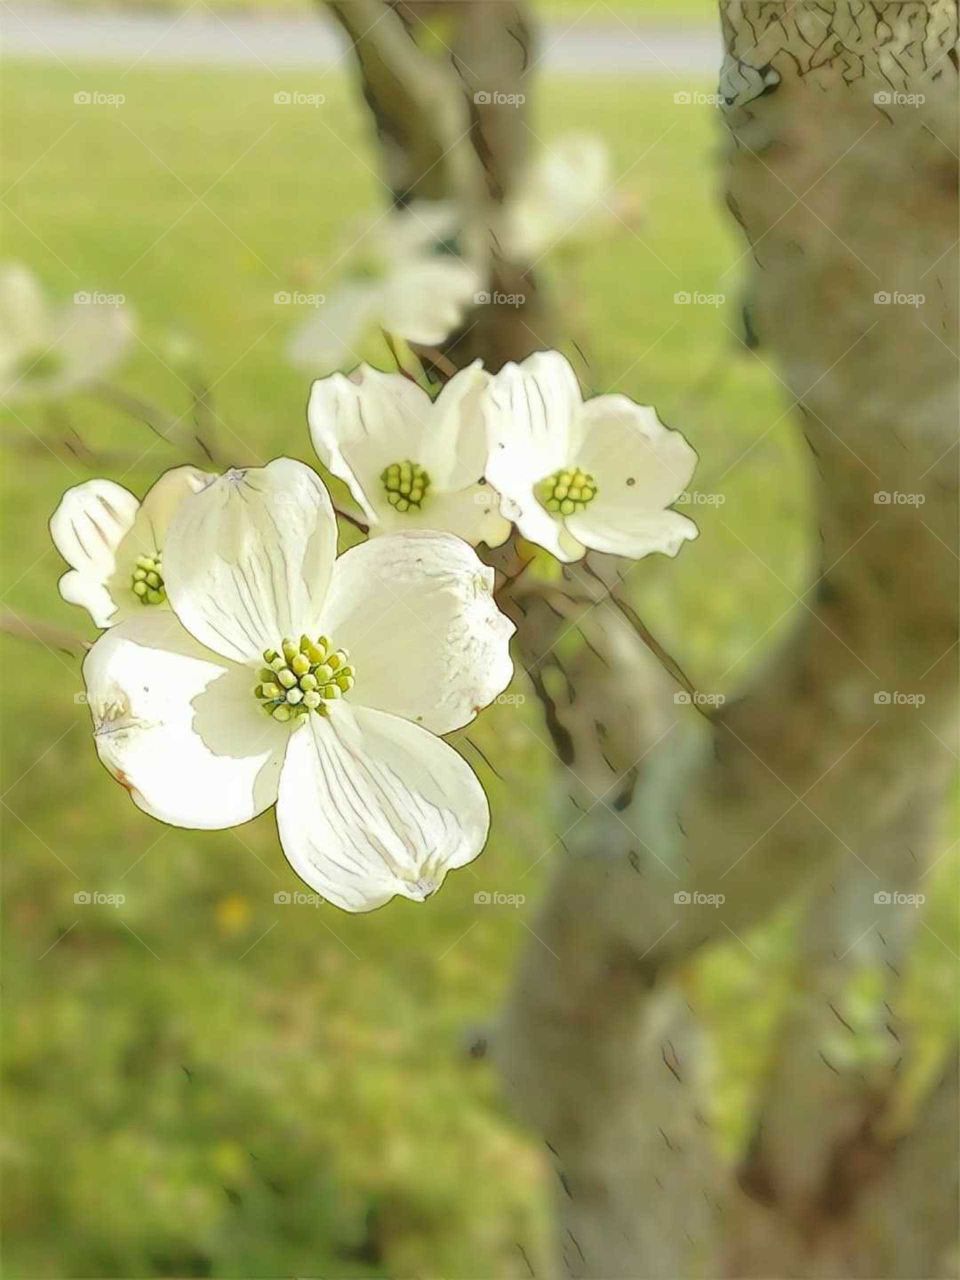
(666, 660)
(37, 632)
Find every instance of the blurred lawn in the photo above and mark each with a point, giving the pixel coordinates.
(201, 1082)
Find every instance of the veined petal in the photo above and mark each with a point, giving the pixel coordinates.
(640, 467)
(531, 412)
(424, 299)
(371, 806)
(362, 423)
(179, 727)
(148, 533)
(87, 528)
(416, 613)
(248, 559)
(455, 445)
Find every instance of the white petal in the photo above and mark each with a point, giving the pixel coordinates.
(416, 613)
(148, 533)
(25, 327)
(562, 195)
(179, 727)
(455, 446)
(87, 528)
(414, 230)
(371, 806)
(473, 514)
(90, 340)
(640, 467)
(531, 413)
(248, 559)
(331, 337)
(361, 423)
(633, 534)
(424, 299)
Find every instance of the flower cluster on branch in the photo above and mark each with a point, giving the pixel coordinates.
(245, 664)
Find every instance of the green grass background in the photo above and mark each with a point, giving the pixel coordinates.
(589, 12)
(201, 1082)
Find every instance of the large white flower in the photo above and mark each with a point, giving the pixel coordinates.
(48, 351)
(562, 196)
(410, 462)
(114, 543)
(401, 283)
(286, 675)
(575, 474)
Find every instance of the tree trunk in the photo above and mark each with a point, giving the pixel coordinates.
(825, 776)
(807, 781)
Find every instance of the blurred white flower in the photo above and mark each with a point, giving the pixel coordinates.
(48, 351)
(561, 196)
(401, 283)
(410, 462)
(283, 674)
(575, 474)
(114, 543)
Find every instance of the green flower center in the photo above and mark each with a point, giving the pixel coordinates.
(302, 678)
(406, 484)
(147, 580)
(567, 491)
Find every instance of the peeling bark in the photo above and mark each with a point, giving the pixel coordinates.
(804, 773)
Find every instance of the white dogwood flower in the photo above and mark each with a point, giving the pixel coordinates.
(400, 283)
(575, 474)
(562, 196)
(410, 462)
(49, 351)
(114, 543)
(283, 674)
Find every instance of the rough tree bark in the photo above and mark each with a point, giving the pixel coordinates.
(803, 784)
(444, 137)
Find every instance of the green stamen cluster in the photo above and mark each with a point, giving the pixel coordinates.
(302, 678)
(567, 491)
(147, 580)
(406, 484)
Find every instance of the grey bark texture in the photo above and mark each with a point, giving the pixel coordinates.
(841, 169)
